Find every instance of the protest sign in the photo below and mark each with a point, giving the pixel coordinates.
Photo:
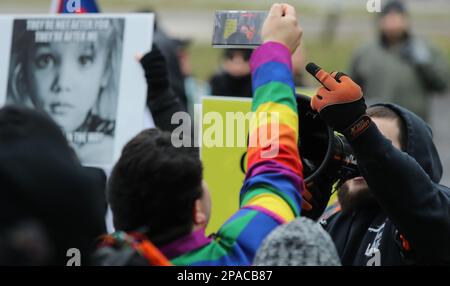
(222, 165)
(225, 163)
(81, 70)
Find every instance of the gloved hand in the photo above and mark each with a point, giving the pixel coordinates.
(161, 100)
(340, 102)
(281, 26)
(156, 74)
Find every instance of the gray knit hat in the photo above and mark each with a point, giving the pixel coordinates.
(301, 242)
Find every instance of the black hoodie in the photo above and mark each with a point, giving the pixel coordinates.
(411, 222)
(49, 202)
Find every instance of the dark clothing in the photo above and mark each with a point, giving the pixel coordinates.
(411, 222)
(47, 195)
(223, 84)
(162, 101)
(169, 48)
(163, 105)
(238, 38)
(407, 74)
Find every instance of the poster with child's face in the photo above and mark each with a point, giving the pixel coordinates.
(73, 69)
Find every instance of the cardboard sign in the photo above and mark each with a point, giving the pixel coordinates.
(222, 165)
(225, 166)
(82, 71)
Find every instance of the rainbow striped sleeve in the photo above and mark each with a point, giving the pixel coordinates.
(273, 183)
(270, 195)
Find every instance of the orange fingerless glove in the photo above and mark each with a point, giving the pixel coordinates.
(340, 102)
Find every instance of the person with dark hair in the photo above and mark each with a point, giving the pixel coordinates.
(156, 190)
(50, 203)
(396, 212)
(399, 67)
(134, 207)
(234, 78)
(352, 195)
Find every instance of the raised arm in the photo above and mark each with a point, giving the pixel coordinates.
(418, 207)
(161, 100)
(271, 194)
(274, 178)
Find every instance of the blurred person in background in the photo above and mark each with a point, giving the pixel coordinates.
(234, 77)
(298, 68)
(399, 67)
(169, 47)
(50, 203)
(161, 98)
(194, 87)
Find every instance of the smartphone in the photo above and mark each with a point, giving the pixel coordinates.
(238, 29)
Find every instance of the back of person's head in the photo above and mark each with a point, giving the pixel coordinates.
(396, 6)
(154, 187)
(49, 203)
(393, 23)
(415, 136)
(301, 242)
(379, 111)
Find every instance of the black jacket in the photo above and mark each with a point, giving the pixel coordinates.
(410, 224)
(169, 48)
(162, 101)
(223, 84)
(48, 199)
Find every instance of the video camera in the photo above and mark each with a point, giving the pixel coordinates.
(324, 153)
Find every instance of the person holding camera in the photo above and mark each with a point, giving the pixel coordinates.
(156, 191)
(396, 213)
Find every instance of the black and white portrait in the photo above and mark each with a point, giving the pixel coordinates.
(70, 68)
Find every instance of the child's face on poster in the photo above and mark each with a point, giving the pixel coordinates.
(66, 80)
